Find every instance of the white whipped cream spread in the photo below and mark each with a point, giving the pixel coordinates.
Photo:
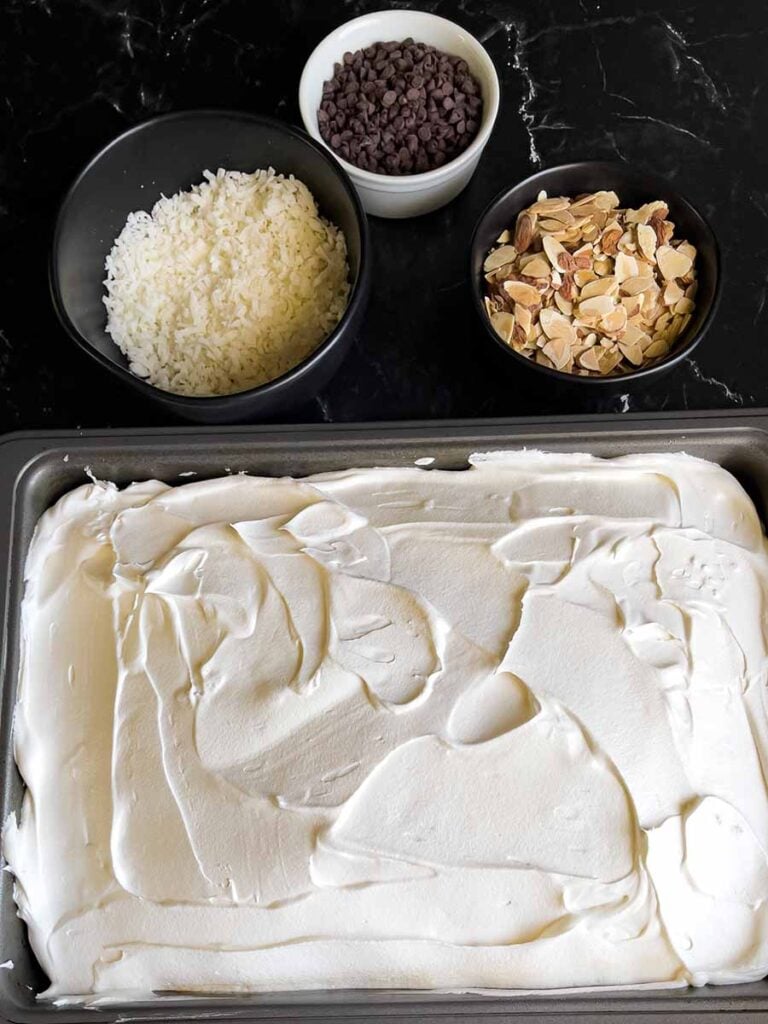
(503, 727)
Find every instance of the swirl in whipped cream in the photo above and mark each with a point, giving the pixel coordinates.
(503, 727)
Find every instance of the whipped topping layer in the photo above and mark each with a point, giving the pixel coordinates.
(501, 727)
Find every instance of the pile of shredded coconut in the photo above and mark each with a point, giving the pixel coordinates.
(226, 286)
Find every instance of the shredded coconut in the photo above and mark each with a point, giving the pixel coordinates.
(226, 286)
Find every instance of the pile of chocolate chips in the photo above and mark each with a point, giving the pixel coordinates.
(400, 108)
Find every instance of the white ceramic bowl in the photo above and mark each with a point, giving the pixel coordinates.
(405, 195)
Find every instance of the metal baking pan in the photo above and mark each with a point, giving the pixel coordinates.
(37, 468)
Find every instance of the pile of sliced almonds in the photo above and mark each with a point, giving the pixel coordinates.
(588, 288)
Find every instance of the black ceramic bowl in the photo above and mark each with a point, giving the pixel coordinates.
(634, 187)
(165, 155)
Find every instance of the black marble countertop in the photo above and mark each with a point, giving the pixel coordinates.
(677, 88)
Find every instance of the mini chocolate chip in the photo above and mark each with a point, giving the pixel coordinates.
(395, 107)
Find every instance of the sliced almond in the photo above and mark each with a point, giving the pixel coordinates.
(599, 305)
(559, 351)
(644, 213)
(553, 249)
(523, 317)
(627, 243)
(631, 303)
(632, 352)
(523, 293)
(524, 230)
(556, 325)
(543, 207)
(677, 326)
(503, 324)
(609, 240)
(562, 217)
(652, 307)
(504, 237)
(554, 226)
(625, 267)
(519, 339)
(672, 263)
(672, 293)
(609, 360)
(658, 347)
(583, 277)
(590, 233)
(589, 361)
(499, 257)
(537, 267)
(587, 199)
(565, 307)
(635, 285)
(605, 200)
(600, 286)
(615, 321)
(646, 241)
(568, 289)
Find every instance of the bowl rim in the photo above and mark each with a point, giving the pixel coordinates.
(423, 178)
(212, 402)
(665, 188)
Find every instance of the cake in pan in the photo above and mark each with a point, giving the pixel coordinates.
(497, 728)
